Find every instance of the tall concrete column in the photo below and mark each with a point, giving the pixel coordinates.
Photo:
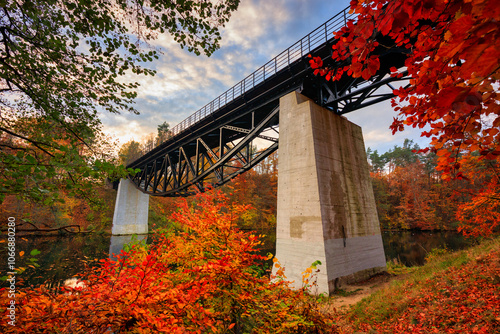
(118, 241)
(131, 210)
(326, 208)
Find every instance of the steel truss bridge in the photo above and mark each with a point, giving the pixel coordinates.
(217, 143)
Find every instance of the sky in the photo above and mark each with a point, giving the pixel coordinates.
(257, 32)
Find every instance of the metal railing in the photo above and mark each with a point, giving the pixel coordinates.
(302, 48)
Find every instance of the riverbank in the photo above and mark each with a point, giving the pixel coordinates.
(454, 292)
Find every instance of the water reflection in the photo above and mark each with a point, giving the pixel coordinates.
(411, 247)
(118, 241)
(61, 257)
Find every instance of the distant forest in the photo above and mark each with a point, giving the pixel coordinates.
(409, 193)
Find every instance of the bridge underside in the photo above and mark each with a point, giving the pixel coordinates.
(223, 145)
(213, 157)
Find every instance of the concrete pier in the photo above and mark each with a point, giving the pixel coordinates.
(117, 243)
(131, 210)
(326, 208)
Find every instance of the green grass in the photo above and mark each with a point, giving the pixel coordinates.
(395, 267)
(344, 293)
(392, 301)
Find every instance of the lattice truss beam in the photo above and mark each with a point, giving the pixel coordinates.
(213, 158)
(350, 94)
(344, 97)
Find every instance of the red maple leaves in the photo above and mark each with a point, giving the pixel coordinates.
(453, 62)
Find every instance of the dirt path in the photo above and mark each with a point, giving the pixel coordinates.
(353, 293)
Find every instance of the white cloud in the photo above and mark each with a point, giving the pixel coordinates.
(258, 26)
(375, 121)
(257, 32)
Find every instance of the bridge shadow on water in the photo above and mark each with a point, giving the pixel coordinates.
(63, 257)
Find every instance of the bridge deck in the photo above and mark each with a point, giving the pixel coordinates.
(215, 144)
(275, 75)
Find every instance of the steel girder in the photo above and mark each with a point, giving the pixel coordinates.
(216, 144)
(214, 157)
(349, 94)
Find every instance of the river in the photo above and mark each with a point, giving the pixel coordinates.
(63, 257)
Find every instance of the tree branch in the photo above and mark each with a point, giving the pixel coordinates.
(37, 229)
(36, 143)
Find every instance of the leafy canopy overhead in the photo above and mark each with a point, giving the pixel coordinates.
(453, 60)
(62, 56)
(63, 61)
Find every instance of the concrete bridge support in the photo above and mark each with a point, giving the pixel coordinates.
(119, 241)
(131, 210)
(326, 208)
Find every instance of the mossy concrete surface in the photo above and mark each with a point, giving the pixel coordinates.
(326, 208)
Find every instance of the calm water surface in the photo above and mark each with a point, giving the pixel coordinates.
(410, 248)
(63, 257)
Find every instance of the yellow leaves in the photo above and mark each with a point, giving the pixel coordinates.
(21, 253)
(447, 35)
(281, 273)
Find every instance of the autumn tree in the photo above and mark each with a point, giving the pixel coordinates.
(53, 160)
(409, 192)
(404, 187)
(129, 152)
(163, 132)
(202, 278)
(478, 212)
(62, 62)
(452, 59)
(258, 188)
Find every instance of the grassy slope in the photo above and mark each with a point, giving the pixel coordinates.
(453, 293)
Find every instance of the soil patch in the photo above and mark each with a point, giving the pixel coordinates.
(352, 293)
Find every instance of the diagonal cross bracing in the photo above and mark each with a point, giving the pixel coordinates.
(211, 159)
(216, 143)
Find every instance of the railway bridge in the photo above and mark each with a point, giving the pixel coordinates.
(326, 209)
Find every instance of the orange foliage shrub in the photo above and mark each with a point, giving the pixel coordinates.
(202, 279)
(480, 214)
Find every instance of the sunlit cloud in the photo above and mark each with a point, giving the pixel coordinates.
(256, 33)
(375, 122)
